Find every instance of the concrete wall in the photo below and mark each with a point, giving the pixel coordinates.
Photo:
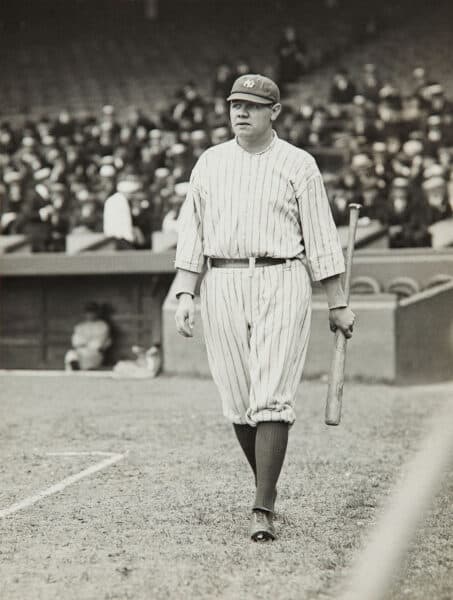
(371, 353)
(424, 336)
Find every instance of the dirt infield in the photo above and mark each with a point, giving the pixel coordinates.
(169, 519)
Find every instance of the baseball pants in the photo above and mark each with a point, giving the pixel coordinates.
(256, 324)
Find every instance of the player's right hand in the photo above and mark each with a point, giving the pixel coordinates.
(185, 315)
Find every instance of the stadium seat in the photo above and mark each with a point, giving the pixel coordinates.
(403, 287)
(365, 285)
(439, 279)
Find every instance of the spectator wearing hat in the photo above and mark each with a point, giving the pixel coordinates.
(370, 83)
(188, 105)
(106, 180)
(35, 221)
(320, 133)
(420, 80)
(199, 142)
(340, 200)
(64, 126)
(408, 161)
(7, 141)
(59, 218)
(381, 161)
(411, 113)
(179, 161)
(90, 340)
(436, 195)
(170, 220)
(389, 111)
(343, 89)
(87, 215)
(14, 192)
(398, 212)
(217, 115)
(223, 80)
(362, 126)
(117, 214)
(436, 100)
(292, 59)
(141, 214)
(373, 200)
(434, 135)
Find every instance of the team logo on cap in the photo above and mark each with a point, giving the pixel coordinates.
(249, 83)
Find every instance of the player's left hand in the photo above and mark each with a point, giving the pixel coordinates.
(342, 319)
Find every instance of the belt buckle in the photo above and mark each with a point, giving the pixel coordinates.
(252, 261)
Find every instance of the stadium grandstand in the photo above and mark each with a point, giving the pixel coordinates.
(85, 107)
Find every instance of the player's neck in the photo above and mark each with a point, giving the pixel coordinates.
(256, 145)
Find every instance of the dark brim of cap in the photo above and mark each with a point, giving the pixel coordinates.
(249, 98)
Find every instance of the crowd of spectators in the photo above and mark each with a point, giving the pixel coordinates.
(70, 174)
(78, 174)
(397, 150)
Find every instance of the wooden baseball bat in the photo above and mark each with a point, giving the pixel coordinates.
(336, 376)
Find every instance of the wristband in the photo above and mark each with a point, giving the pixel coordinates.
(339, 305)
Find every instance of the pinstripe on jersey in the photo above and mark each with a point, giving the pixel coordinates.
(256, 329)
(272, 203)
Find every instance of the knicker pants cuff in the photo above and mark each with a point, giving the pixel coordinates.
(283, 413)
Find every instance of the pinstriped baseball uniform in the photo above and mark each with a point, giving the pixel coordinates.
(257, 320)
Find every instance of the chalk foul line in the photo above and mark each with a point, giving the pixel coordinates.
(111, 459)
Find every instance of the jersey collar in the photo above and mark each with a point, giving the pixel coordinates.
(271, 145)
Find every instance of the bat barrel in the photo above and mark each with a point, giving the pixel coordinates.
(336, 377)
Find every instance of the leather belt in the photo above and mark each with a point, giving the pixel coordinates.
(259, 261)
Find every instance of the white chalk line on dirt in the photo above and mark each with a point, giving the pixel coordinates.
(111, 459)
(56, 373)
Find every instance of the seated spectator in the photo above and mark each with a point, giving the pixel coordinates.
(117, 214)
(371, 83)
(343, 89)
(170, 221)
(436, 195)
(90, 340)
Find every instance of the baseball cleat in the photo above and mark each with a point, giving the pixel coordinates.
(261, 526)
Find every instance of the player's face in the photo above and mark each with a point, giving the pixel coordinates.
(252, 120)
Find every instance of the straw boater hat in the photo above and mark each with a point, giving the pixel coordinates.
(128, 186)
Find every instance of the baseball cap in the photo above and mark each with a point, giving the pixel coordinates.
(255, 88)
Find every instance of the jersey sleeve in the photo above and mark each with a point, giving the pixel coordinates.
(189, 249)
(320, 236)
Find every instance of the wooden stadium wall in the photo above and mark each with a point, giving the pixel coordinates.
(42, 298)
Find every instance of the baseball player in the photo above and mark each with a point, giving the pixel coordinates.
(257, 215)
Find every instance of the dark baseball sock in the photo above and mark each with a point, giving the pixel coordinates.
(246, 436)
(270, 449)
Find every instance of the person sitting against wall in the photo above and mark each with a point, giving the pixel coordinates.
(90, 339)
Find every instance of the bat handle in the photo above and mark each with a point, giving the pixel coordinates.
(354, 211)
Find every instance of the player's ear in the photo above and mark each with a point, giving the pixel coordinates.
(276, 110)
